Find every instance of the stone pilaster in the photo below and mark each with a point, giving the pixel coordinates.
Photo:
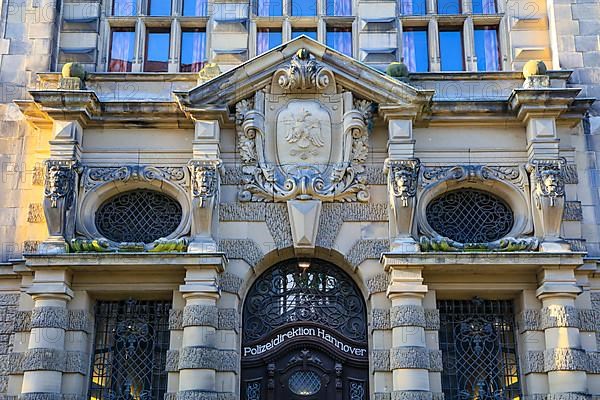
(409, 356)
(563, 358)
(46, 357)
(199, 360)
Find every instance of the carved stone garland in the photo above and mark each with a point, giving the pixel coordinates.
(302, 140)
(96, 176)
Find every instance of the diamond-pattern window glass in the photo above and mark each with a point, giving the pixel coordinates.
(304, 383)
(470, 216)
(138, 216)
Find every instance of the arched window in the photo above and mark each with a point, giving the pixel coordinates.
(138, 216)
(321, 294)
(470, 216)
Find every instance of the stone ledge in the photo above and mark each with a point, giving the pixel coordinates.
(41, 396)
(407, 315)
(196, 395)
(77, 320)
(415, 395)
(199, 315)
(48, 360)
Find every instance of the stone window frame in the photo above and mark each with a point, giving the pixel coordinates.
(140, 23)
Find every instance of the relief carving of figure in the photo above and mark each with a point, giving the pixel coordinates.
(205, 201)
(548, 192)
(305, 133)
(402, 189)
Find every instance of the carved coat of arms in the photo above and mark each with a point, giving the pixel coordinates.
(303, 137)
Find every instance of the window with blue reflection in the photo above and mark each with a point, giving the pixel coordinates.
(415, 49)
(304, 8)
(413, 7)
(339, 7)
(195, 8)
(311, 33)
(486, 49)
(157, 51)
(159, 7)
(124, 8)
(451, 51)
(484, 7)
(122, 45)
(267, 38)
(193, 50)
(269, 8)
(340, 39)
(448, 6)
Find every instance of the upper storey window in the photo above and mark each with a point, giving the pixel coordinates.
(448, 7)
(193, 50)
(159, 7)
(340, 39)
(484, 7)
(195, 8)
(414, 49)
(451, 50)
(267, 38)
(413, 7)
(304, 8)
(124, 8)
(269, 8)
(122, 46)
(339, 8)
(157, 51)
(486, 48)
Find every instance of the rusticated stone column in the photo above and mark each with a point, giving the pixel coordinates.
(199, 358)
(564, 360)
(409, 356)
(46, 359)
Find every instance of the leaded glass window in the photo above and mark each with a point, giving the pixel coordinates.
(479, 350)
(470, 216)
(130, 349)
(138, 216)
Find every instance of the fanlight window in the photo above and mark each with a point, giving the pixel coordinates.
(138, 216)
(321, 294)
(470, 216)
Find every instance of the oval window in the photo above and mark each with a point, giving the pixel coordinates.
(138, 216)
(304, 383)
(470, 216)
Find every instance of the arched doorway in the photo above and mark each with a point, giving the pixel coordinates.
(304, 335)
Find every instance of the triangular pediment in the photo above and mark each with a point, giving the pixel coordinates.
(239, 83)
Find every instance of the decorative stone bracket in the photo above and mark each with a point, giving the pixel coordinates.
(60, 199)
(402, 180)
(205, 182)
(548, 194)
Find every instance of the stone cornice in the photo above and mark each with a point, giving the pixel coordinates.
(67, 105)
(125, 261)
(544, 103)
(482, 261)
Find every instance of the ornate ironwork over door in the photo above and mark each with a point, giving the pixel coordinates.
(479, 352)
(304, 335)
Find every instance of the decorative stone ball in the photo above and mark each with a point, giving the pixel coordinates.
(73, 70)
(397, 70)
(534, 67)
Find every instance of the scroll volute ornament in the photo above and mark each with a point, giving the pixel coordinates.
(548, 194)
(402, 181)
(303, 74)
(60, 196)
(205, 181)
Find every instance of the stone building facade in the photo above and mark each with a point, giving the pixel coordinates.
(233, 200)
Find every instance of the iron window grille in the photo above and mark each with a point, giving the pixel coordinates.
(479, 350)
(470, 216)
(322, 294)
(138, 216)
(130, 349)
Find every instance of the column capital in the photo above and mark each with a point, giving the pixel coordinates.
(556, 283)
(405, 281)
(51, 284)
(201, 280)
